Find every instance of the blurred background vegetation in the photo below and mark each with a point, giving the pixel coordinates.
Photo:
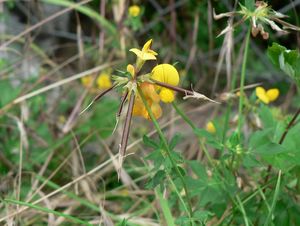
(47, 48)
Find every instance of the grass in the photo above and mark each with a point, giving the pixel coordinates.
(59, 160)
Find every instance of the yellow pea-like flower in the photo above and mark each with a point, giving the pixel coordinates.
(103, 81)
(210, 127)
(146, 53)
(166, 73)
(166, 95)
(134, 10)
(266, 96)
(153, 100)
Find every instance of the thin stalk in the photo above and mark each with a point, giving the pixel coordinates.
(167, 149)
(175, 88)
(185, 118)
(98, 97)
(242, 82)
(125, 134)
(165, 208)
(47, 210)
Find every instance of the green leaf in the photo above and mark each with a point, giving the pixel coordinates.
(270, 149)
(158, 178)
(286, 60)
(260, 138)
(150, 142)
(266, 116)
(210, 139)
(156, 157)
(249, 5)
(175, 140)
(8, 92)
(198, 169)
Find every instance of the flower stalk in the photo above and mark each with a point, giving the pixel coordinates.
(167, 149)
(242, 81)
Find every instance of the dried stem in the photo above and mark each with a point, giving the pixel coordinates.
(126, 130)
(98, 97)
(188, 93)
(175, 88)
(124, 97)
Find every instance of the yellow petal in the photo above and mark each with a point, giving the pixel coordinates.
(136, 51)
(131, 70)
(261, 94)
(272, 94)
(138, 107)
(166, 95)
(210, 127)
(152, 52)
(147, 45)
(147, 56)
(165, 73)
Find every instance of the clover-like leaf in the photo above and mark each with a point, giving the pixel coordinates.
(286, 60)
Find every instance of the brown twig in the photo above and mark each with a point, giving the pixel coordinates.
(124, 98)
(175, 88)
(98, 97)
(125, 134)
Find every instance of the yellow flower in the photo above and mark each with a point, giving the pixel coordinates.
(103, 81)
(165, 73)
(152, 98)
(266, 96)
(168, 74)
(146, 53)
(134, 10)
(87, 81)
(167, 95)
(131, 69)
(210, 127)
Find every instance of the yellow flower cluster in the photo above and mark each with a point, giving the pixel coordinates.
(103, 80)
(165, 73)
(134, 10)
(266, 96)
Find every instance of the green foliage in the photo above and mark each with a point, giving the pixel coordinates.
(244, 173)
(287, 60)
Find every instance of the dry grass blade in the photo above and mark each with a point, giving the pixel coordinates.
(63, 82)
(15, 38)
(12, 214)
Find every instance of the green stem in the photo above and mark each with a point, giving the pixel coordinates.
(192, 125)
(168, 151)
(242, 82)
(185, 118)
